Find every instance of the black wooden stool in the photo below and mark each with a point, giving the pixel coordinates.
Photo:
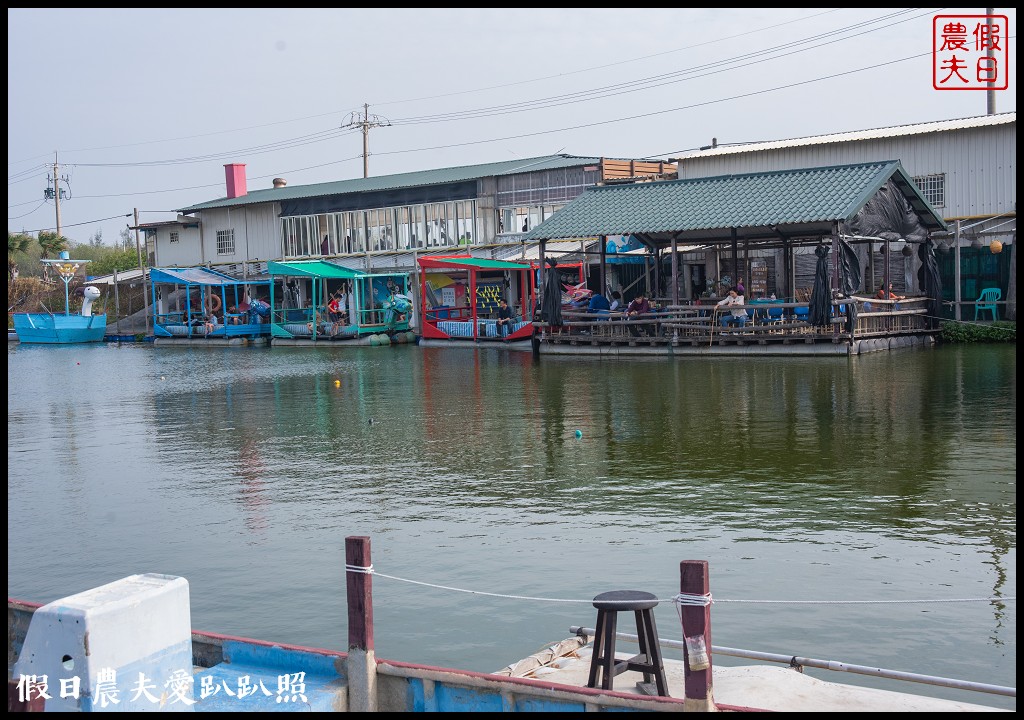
(649, 660)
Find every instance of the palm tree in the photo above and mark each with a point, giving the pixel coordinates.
(17, 244)
(51, 242)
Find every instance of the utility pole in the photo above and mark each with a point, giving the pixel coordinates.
(54, 192)
(990, 93)
(365, 122)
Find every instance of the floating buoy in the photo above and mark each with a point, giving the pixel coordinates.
(579, 433)
(337, 383)
(162, 377)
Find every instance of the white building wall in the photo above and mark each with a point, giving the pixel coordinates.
(181, 253)
(979, 164)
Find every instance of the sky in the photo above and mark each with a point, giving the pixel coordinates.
(140, 109)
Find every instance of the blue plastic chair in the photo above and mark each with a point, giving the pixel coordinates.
(773, 316)
(986, 302)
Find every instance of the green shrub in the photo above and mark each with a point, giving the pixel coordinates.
(1003, 331)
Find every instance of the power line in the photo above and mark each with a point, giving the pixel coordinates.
(656, 81)
(463, 92)
(87, 222)
(365, 122)
(552, 101)
(286, 144)
(561, 129)
(213, 185)
(650, 113)
(18, 217)
(606, 65)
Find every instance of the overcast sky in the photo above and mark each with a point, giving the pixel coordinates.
(141, 108)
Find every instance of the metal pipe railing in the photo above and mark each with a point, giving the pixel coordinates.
(797, 662)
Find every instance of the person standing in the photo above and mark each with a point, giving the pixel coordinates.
(335, 313)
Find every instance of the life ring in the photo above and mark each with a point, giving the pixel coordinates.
(213, 303)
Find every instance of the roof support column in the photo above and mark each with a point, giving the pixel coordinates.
(789, 281)
(675, 271)
(657, 270)
(735, 259)
(746, 265)
(604, 265)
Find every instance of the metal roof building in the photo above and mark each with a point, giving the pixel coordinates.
(966, 168)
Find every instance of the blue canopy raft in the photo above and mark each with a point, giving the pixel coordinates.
(186, 300)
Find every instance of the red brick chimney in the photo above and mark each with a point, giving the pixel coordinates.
(234, 174)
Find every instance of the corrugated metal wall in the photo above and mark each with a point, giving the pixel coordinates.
(257, 232)
(979, 164)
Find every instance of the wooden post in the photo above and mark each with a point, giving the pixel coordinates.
(414, 314)
(117, 300)
(472, 300)
(696, 621)
(362, 663)
(142, 267)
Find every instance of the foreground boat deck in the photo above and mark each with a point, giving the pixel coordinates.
(757, 687)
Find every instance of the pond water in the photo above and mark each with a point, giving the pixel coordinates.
(853, 509)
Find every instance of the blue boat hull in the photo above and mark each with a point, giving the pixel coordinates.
(59, 329)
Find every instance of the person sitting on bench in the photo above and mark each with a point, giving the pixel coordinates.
(738, 315)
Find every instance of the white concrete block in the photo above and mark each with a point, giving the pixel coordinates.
(129, 643)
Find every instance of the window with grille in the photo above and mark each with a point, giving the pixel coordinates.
(933, 187)
(225, 242)
(174, 237)
(543, 187)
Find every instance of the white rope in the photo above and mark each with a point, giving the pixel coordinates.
(693, 600)
(678, 600)
(481, 592)
(870, 602)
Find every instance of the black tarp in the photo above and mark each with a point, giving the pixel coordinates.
(849, 268)
(849, 280)
(819, 310)
(888, 216)
(930, 281)
(551, 294)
